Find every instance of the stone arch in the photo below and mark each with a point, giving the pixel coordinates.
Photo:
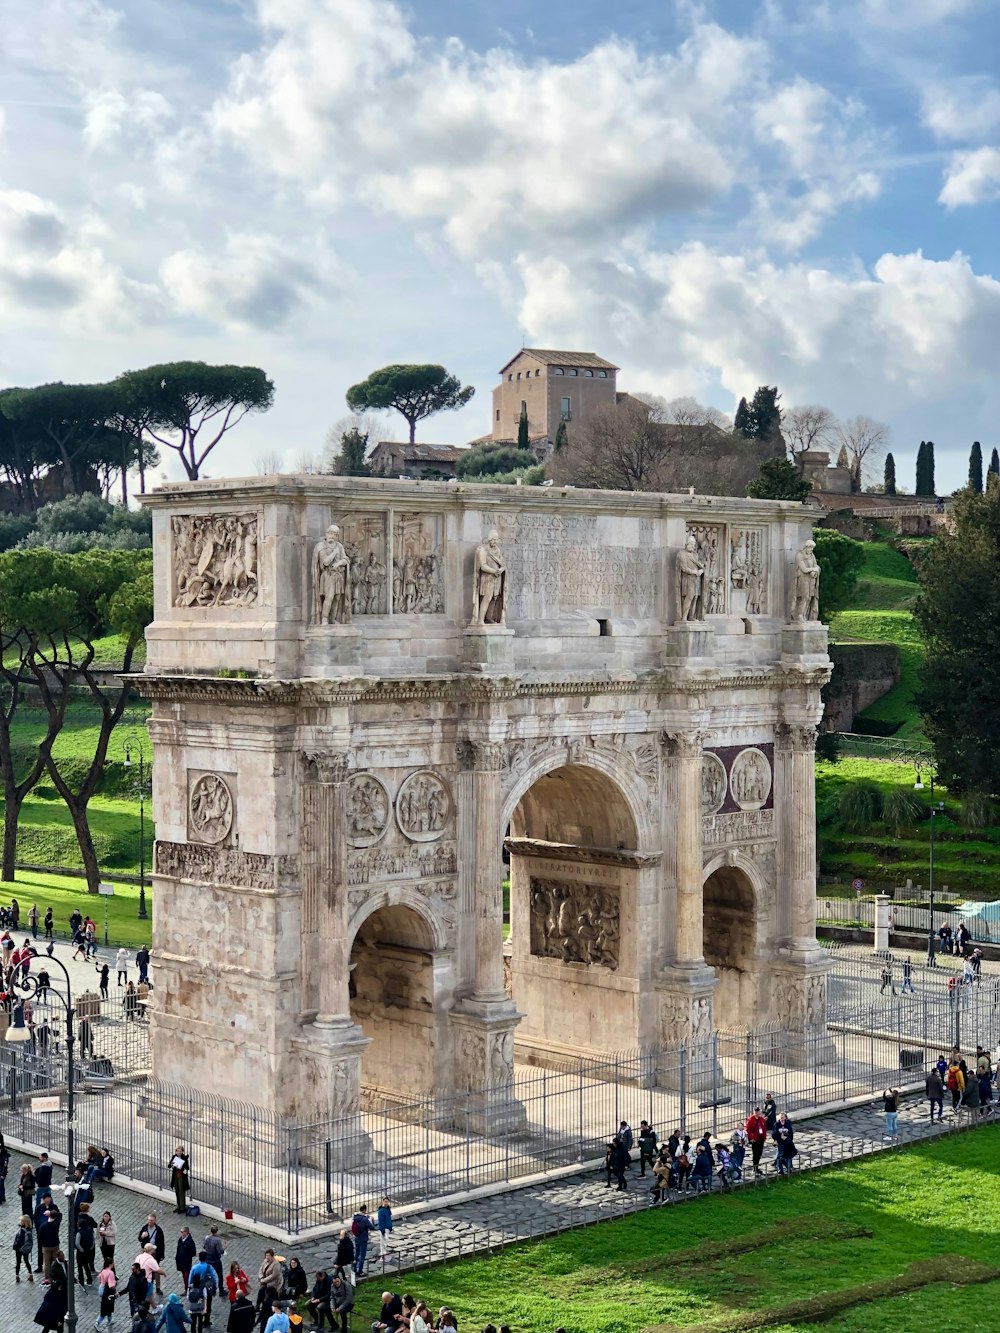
(628, 787)
(732, 893)
(401, 989)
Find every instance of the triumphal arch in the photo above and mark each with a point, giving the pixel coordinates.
(375, 702)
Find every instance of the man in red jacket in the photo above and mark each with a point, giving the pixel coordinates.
(756, 1128)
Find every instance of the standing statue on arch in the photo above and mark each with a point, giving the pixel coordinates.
(805, 592)
(330, 583)
(489, 584)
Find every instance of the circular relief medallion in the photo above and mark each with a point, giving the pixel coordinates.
(713, 783)
(423, 806)
(211, 808)
(750, 779)
(367, 810)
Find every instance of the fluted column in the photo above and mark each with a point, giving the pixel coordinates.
(324, 884)
(796, 749)
(486, 760)
(684, 750)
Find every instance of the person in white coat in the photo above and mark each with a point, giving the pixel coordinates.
(121, 962)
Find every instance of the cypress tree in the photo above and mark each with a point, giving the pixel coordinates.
(976, 468)
(560, 441)
(930, 468)
(741, 422)
(522, 428)
(890, 475)
(921, 483)
(842, 458)
(995, 463)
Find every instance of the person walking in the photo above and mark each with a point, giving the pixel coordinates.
(384, 1220)
(362, 1227)
(620, 1161)
(142, 963)
(934, 1092)
(215, 1249)
(49, 924)
(907, 986)
(103, 971)
(173, 1317)
(201, 1289)
(184, 1255)
(107, 1291)
(647, 1146)
(24, 1243)
(890, 1105)
(33, 916)
(756, 1131)
(955, 1083)
(137, 1289)
(887, 978)
(345, 1254)
(52, 1312)
(151, 1235)
(86, 1245)
(180, 1176)
(121, 965)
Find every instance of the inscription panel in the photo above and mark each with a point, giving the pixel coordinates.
(557, 564)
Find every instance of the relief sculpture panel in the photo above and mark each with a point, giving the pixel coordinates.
(423, 806)
(575, 923)
(211, 807)
(710, 548)
(748, 571)
(367, 810)
(416, 565)
(364, 542)
(215, 559)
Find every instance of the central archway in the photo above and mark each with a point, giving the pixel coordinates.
(730, 931)
(573, 895)
(392, 990)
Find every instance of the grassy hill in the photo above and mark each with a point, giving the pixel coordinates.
(882, 613)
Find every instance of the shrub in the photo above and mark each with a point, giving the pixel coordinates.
(860, 805)
(828, 746)
(977, 810)
(485, 460)
(901, 809)
(13, 529)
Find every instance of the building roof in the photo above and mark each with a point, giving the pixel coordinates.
(550, 357)
(419, 452)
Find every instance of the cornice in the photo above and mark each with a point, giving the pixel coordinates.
(458, 688)
(565, 851)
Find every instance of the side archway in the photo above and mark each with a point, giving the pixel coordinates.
(730, 896)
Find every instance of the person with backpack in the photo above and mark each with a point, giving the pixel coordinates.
(647, 1146)
(197, 1302)
(86, 1245)
(362, 1227)
(202, 1275)
(24, 1243)
(107, 1290)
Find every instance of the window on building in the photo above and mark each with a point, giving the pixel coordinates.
(518, 374)
(537, 373)
(559, 371)
(588, 374)
(498, 414)
(602, 374)
(511, 375)
(564, 410)
(572, 372)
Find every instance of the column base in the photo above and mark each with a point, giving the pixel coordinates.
(798, 988)
(323, 1082)
(485, 1101)
(687, 1020)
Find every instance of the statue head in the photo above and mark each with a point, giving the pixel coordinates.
(690, 544)
(809, 546)
(492, 537)
(332, 532)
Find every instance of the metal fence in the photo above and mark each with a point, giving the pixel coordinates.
(861, 913)
(301, 1176)
(890, 748)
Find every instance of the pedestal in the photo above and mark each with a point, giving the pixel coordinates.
(324, 1081)
(882, 904)
(488, 647)
(485, 1101)
(804, 643)
(686, 1020)
(690, 644)
(332, 651)
(798, 985)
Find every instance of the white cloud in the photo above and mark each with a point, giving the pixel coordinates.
(971, 178)
(254, 282)
(498, 150)
(963, 108)
(53, 270)
(113, 114)
(915, 13)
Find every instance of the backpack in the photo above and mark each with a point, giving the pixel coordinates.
(952, 1080)
(355, 1227)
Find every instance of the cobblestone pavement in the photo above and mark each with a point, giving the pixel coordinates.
(436, 1235)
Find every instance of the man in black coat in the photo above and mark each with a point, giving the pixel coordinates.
(392, 1305)
(38, 1217)
(184, 1257)
(318, 1303)
(770, 1112)
(152, 1234)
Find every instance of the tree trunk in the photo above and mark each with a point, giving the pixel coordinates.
(11, 815)
(413, 429)
(81, 826)
(124, 475)
(142, 469)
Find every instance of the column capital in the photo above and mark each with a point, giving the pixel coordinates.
(683, 744)
(795, 736)
(481, 756)
(327, 767)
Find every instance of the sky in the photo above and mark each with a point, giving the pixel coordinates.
(713, 196)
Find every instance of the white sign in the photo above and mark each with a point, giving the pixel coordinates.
(107, 889)
(41, 1104)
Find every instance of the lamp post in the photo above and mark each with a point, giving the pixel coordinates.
(935, 807)
(143, 914)
(24, 986)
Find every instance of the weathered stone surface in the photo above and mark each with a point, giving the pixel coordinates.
(630, 709)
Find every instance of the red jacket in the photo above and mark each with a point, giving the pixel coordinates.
(756, 1128)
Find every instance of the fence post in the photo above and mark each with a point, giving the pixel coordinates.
(683, 1087)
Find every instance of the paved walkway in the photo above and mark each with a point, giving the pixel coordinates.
(433, 1236)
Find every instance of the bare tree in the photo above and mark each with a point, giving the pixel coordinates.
(810, 426)
(864, 441)
(376, 428)
(684, 411)
(267, 465)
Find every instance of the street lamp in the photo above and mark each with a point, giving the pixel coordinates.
(143, 914)
(935, 807)
(24, 986)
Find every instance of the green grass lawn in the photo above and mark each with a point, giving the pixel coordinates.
(63, 893)
(935, 1199)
